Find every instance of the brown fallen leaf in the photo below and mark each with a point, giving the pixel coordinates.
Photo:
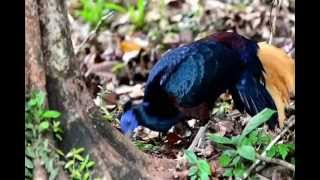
(133, 91)
(111, 98)
(173, 138)
(224, 127)
(101, 69)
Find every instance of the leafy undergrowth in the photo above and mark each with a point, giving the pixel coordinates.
(116, 62)
(39, 124)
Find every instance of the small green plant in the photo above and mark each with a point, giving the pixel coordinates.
(100, 102)
(280, 151)
(221, 108)
(136, 12)
(146, 147)
(118, 68)
(38, 122)
(238, 150)
(79, 167)
(92, 11)
(200, 169)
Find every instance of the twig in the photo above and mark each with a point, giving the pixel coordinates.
(199, 136)
(290, 123)
(276, 161)
(273, 24)
(94, 31)
(262, 177)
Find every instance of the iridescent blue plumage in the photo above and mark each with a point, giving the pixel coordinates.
(194, 75)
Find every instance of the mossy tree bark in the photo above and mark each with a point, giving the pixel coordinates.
(52, 67)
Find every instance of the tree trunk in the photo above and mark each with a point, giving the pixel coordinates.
(34, 69)
(51, 66)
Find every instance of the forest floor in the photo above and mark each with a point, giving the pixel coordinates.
(116, 60)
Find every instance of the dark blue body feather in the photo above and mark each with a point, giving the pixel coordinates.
(198, 73)
(194, 73)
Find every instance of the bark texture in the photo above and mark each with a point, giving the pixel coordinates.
(51, 66)
(34, 69)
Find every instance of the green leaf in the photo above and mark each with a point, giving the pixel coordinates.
(204, 176)
(51, 114)
(247, 152)
(77, 174)
(219, 139)
(204, 167)
(224, 159)
(192, 171)
(115, 7)
(235, 161)
(59, 152)
(49, 165)
(90, 164)
(230, 152)
(28, 163)
(272, 152)
(77, 156)
(69, 163)
(264, 139)
(291, 147)
(228, 172)
(235, 140)
(245, 141)
(29, 126)
(27, 173)
(30, 152)
(191, 157)
(86, 176)
(141, 6)
(82, 166)
(43, 126)
(253, 136)
(69, 154)
(40, 97)
(37, 99)
(53, 174)
(283, 150)
(80, 150)
(193, 177)
(256, 121)
(117, 68)
(58, 137)
(239, 170)
(32, 102)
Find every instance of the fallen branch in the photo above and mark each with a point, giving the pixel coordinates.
(198, 137)
(181, 159)
(289, 123)
(94, 31)
(273, 23)
(276, 161)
